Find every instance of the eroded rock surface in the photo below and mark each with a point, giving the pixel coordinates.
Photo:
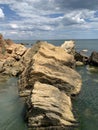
(69, 47)
(48, 82)
(49, 107)
(10, 56)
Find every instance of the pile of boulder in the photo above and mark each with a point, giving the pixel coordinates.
(47, 80)
(10, 57)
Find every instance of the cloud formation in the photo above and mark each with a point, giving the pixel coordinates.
(1, 13)
(48, 18)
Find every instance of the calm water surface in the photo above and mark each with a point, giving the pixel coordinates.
(85, 105)
(11, 106)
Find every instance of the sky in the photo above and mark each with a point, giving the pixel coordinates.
(49, 19)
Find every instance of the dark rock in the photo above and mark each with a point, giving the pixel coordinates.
(93, 60)
(81, 57)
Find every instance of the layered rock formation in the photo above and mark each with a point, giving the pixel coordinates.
(48, 82)
(49, 107)
(10, 57)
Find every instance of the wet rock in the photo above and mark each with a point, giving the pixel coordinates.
(80, 57)
(79, 63)
(92, 69)
(93, 60)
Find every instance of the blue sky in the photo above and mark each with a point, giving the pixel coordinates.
(49, 19)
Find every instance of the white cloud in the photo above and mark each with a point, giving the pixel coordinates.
(1, 13)
(42, 17)
(14, 26)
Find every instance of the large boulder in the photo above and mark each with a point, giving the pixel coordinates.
(51, 65)
(49, 51)
(48, 81)
(69, 46)
(49, 107)
(81, 58)
(93, 60)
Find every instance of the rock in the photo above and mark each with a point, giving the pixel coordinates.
(9, 50)
(49, 107)
(81, 58)
(1, 66)
(49, 65)
(50, 51)
(48, 81)
(52, 74)
(11, 55)
(12, 67)
(3, 78)
(1, 36)
(93, 69)
(93, 60)
(79, 63)
(20, 50)
(9, 42)
(69, 46)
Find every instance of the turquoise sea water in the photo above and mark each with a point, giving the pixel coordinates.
(85, 104)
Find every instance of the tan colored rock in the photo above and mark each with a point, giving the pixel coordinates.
(20, 50)
(11, 55)
(12, 67)
(9, 50)
(49, 65)
(69, 46)
(1, 66)
(9, 42)
(63, 77)
(49, 51)
(1, 36)
(48, 81)
(79, 63)
(49, 107)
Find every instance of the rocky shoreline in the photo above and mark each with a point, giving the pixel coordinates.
(47, 81)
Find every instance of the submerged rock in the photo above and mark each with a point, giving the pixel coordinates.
(48, 81)
(93, 69)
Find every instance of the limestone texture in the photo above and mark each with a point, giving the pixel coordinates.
(48, 82)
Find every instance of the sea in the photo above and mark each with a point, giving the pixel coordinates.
(85, 105)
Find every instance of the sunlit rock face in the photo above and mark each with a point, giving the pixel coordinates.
(47, 82)
(10, 57)
(69, 47)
